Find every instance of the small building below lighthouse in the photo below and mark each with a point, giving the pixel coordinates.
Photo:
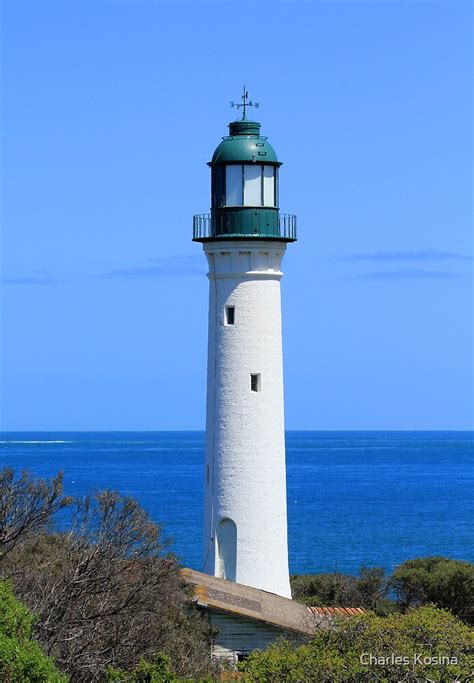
(244, 239)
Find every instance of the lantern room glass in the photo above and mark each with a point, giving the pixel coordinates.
(252, 185)
(246, 185)
(269, 186)
(233, 185)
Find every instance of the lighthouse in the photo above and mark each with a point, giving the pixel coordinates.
(244, 239)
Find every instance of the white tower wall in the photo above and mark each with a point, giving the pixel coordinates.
(245, 530)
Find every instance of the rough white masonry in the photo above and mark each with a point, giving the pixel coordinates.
(245, 526)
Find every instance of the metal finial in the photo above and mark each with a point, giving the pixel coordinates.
(244, 104)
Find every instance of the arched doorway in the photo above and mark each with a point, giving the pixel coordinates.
(227, 549)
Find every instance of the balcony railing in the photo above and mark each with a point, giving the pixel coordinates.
(204, 228)
(287, 225)
(201, 226)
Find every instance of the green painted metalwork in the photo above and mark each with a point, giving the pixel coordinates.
(244, 146)
(244, 142)
(207, 229)
(245, 221)
(245, 103)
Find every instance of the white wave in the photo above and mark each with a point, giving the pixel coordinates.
(12, 441)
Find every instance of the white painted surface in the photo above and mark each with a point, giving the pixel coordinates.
(245, 446)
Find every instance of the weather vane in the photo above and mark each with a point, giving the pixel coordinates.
(244, 104)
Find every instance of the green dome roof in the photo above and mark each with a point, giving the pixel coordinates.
(244, 144)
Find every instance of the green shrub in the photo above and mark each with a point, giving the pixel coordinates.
(334, 655)
(438, 580)
(145, 672)
(21, 659)
(368, 590)
(157, 671)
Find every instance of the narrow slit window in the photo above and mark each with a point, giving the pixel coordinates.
(254, 382)
(229, 315)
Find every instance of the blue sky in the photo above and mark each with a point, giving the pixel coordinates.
(111, 111)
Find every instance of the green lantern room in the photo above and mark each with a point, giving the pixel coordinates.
(244, 194)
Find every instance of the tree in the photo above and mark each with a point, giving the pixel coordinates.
(21, 659)
(368, 590)
(105, 590)
(438, 580)
(431, 644)
(373, 589)
(326, 589)
(27, 506)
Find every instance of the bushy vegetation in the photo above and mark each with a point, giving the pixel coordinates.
(431, 644)
(158, 671)
(21, 659)
(370, 590)
(105, 591)
(436, 581)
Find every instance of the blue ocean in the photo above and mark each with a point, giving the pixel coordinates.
(354, 498)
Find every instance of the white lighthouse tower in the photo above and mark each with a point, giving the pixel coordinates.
(244, 239)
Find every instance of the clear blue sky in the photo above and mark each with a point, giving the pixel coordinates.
(111, 111)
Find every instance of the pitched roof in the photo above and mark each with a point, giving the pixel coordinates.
(219, 594)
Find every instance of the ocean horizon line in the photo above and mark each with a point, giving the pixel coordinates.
(203, 431)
